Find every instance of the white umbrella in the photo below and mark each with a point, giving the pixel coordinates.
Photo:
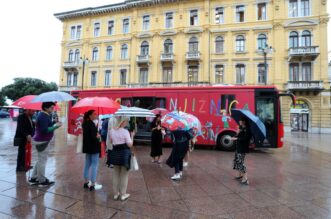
(134, 112)
(53, 96)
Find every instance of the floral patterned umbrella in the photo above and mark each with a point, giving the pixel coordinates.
(178, 120)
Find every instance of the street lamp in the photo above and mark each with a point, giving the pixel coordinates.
(84, 61)
(267, 49)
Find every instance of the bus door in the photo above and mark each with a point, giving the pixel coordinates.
(266, 109)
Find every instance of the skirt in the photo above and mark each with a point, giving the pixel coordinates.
(239, 162)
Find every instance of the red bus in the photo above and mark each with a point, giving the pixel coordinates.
(211, 104)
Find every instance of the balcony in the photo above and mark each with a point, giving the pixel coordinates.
(68, 88)
(170, 84)
(305, 85)
(71, 65)
(303, 52)
(167, 57)
(143, 59)
(193, 56)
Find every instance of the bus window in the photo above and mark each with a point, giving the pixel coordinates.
(126, 102)
(265, 110)
(160, 103)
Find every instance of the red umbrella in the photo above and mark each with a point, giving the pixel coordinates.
(25, 102)
(157, 111)
(102, 105)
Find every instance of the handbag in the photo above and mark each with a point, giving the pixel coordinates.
(79, 146)
(134, 163)
(120, 156)
(19, 141)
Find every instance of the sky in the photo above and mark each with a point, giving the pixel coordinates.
(31, 37)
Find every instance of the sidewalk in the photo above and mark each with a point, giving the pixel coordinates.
(291, 182)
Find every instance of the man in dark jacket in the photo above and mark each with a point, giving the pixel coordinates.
(24, 130)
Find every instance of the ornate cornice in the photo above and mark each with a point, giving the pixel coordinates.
(128, 4)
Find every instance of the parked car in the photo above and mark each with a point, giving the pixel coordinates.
(4, 114)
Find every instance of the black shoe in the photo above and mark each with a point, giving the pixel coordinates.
(46, 183)
(238, 177)
(33, 181)
(86, 185)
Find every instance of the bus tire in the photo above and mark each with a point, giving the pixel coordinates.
(224, 143)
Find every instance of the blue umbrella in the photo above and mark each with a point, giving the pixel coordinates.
(53, 96)
(257, 127)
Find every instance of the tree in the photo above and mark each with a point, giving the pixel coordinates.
(2, 99)
(27, 86)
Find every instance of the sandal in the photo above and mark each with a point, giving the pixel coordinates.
(245, 182)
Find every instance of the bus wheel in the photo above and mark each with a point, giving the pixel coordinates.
(224, 141)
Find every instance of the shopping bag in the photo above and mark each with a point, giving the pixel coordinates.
(102, 149)
(134, 164)
(28, 155)
(79, 146)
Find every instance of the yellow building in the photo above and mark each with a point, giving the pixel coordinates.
(204, 42)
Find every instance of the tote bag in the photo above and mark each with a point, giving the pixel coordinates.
(79, 146)
(134, 164)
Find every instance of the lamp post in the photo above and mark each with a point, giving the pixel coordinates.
(84, 61)
(267, 49)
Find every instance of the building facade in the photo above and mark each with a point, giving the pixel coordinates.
(140, 43)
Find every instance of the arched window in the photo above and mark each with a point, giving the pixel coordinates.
(240, 73)
(124, 51)
(144, 48)
(219, 44)
(306, 38)
(168, 46)
(77, 55)
(240, 43)
(193, 44)
(95, 54)
(294, 39)
(71, 56)
(261, 41)
(109, 53)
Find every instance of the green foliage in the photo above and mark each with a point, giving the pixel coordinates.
(2, 99)
(27, 86)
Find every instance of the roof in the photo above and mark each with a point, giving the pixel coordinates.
(127, 4)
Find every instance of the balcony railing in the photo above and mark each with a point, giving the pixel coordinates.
(143, 58)
(68, 88)
(307, 51)
(170, 84)
(305, 85)
(193, 56)
(167, 57)
(71, 64)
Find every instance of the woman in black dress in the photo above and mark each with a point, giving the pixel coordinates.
(242, 148)
(157, 138)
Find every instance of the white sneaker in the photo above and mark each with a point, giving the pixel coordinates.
(96, 186)
(125, 197)
(185, 164)
(180, 173)
(176, 176)
(116, 197)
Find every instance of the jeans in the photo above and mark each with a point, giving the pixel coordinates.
(120, 179)
(21, 157)
(179, 166)
(91, 162)
(40, 167)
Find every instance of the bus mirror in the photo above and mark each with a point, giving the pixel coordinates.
(291, 95)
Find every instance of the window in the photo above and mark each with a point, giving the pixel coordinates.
(240, 13)
(306, 38)
(305, 8)
(95, 54)
(306, 71)
(107, 78)
(124, 51)
(144, 48)
(219, 15)
(79, 31)
(299, 8)
(193, 44)
(75, 32)
(261, 41)
(77, 55)
(219, 44)
(96, 29)
(294, 39)
(111, 27)
(219, 74)
(261, 11)
(72, 79)
(123, 77)
(240, 73)
(193, 72)
(167, 74)
(71, 56)
(294, 72)
(293, 8)
(194, 17)
(146, 22)
(109, 53)
(169, 22)
(240, 43)
(261, 74)
(143, 77)
(126, 24)
(93, 78)
(168, 46)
